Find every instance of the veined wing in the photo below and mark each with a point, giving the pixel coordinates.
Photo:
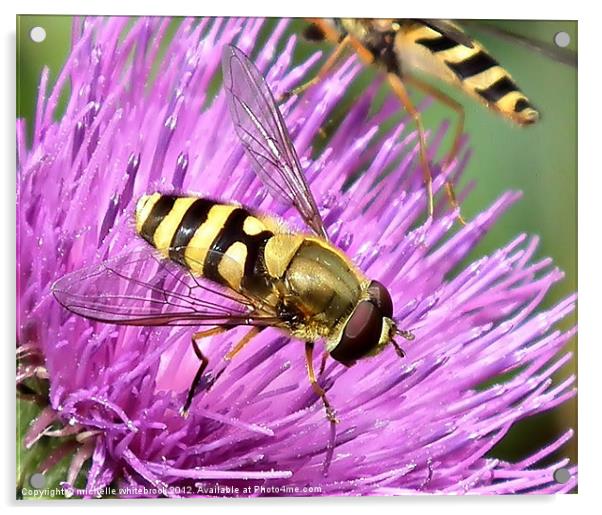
(266, 140)
(142, 288)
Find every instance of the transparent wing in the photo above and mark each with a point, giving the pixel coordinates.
(262, 131)
(141, 288)
(556, 53)
(449, 30)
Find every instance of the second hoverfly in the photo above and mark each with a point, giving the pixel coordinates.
(222, 265)
(400, 47)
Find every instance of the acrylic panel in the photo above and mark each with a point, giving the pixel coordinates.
(295, 257)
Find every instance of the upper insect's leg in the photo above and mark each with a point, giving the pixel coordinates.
(326, 67)
(400, 90)
(348, 41)
(459, 109)
(196, 337)
(330, 413)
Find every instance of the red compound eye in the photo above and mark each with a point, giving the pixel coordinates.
(361, 334)
(381, 298)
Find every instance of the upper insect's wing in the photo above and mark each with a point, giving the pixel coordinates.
(449, 30)
(141, 288)
(262, 131)
(556, 53)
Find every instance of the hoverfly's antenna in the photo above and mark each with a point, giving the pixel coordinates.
(408, 335)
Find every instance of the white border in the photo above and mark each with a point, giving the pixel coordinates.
(509, 9)
(590, 192)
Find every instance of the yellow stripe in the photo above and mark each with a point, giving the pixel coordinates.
(253, 226)
(507, 102)
(486, 78)
(279, 250)
(169, 225)
(143, 209)
(232, 265)
(205, 235)
(419, 31)
(454, 55)
(458, 53)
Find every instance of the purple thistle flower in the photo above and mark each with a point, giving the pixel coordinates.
(422, 424)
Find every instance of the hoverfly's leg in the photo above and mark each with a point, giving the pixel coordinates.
(196, 337)
(363, 53)
(400, 90)
(254, 331)
(323, 362)
(459, 109)
(329, 410)
(205, 361)
(330, 413)
(322, 72)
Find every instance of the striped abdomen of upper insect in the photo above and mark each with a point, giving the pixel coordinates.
(404, 45)
(313, 287)
(479, 74)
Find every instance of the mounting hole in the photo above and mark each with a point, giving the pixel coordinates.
(37, 480)
(562, 39)
(562, 475)
(37, 34)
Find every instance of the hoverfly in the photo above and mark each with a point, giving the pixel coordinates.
(442, 49)
(223, 265)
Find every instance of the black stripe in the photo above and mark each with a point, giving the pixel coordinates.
(439, 44)
(255, 262)
(230, 233)
(195, 216)
(473, 65)
(498, 89)
(521, 105)
(159, 211)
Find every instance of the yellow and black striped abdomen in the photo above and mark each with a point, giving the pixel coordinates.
(222, 242)
(472, 69)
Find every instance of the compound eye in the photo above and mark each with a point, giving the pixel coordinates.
(361, 334)
(381, 298)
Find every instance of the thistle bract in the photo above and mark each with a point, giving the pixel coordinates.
(138, 120)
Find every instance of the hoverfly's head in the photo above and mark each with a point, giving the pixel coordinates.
(370, 328)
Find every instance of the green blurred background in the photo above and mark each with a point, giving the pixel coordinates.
(540, 160)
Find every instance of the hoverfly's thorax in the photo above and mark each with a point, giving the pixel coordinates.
(378, 36)
(323, 285)
(353, 26)
(365, 28)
